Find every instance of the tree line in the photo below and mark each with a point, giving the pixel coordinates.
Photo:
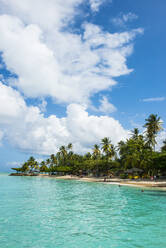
(137, 155)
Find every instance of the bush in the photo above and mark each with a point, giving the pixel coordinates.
(123, 176)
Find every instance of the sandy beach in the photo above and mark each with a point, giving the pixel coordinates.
(123, 182)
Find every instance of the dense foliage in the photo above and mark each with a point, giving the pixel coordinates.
(134, 157)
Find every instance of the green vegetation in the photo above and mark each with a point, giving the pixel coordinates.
(135, 157)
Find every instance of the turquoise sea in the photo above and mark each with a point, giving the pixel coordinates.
(45, 212)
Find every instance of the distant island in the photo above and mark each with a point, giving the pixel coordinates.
(135, 158)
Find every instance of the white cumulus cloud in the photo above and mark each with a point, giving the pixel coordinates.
(68, 67)
(27, 129)
(49, 59)
(46, 14)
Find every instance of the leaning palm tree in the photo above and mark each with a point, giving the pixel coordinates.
(153, 125)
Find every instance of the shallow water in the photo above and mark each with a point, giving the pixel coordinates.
(45, 212)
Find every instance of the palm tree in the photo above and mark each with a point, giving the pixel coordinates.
(48, 161)
(58, 156)
(70, 152)
(106, 146)
(53, 159)
(113, 152)
(70, 155)
(121, 147)
(63, 154)
(88, 156)
(135, 133)
(32, 163)
(153, 125)
(43, 167)
(69, 146)
(96, 151)
(25, 167)
(63, 151)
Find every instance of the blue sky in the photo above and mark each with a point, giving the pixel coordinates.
(78, 72)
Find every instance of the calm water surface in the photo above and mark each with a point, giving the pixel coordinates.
(45, 213)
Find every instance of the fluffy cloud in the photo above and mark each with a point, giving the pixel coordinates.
(12, 104)
(27, 129)
(106, 106)
(50, 62)
(46, 14)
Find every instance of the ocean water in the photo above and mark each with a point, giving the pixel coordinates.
(45, 212)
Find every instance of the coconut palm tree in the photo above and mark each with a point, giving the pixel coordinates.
(69, 146)
(58, 156)
(32, 163)
(48, 161)
(113, 152)
(96, 151)
(25, 167)
(63, 151)
(43, 167)
(135, 133)
(53, 159)
(70, 155)
(121, 147)
(63, 154)
(106, 146)
(88, 156)
(153, 125)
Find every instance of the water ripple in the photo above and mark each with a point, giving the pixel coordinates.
(43, 212)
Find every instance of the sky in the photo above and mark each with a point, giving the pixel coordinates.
(78, 72)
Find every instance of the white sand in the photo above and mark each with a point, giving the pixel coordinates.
(116, 181)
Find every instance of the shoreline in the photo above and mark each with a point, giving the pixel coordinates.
(117, 181)
(114, 181)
